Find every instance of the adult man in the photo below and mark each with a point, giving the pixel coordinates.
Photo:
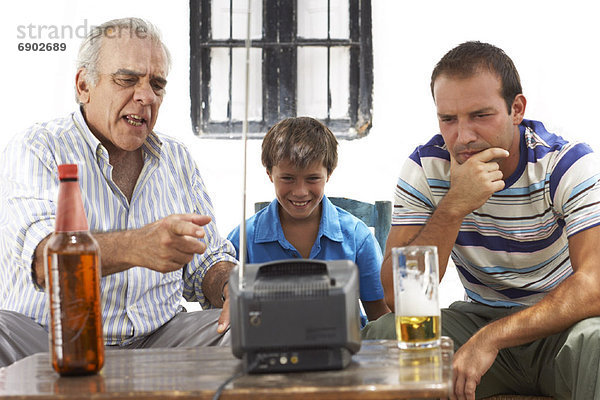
(518, 209)
(143, 196)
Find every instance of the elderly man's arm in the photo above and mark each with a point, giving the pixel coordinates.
(215, 282)
(215, 287)
(576, 298)
(165, 246)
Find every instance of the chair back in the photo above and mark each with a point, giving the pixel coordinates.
(378, 215)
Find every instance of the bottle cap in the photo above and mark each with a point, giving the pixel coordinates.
(67, 171)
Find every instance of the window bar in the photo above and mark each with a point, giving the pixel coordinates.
(238, 43)
(328, 61)
(354, 75)
(230, 94)
(200, 21)
(270, 63)
(288, 58)
(366, 70)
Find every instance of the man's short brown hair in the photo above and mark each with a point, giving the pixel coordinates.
(468, 58)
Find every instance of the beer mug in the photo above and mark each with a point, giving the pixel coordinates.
(416, 281)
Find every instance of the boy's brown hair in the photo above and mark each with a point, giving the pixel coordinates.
(302, 141)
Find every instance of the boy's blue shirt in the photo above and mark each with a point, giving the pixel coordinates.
(341, 236)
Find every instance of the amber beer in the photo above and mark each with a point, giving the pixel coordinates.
(73, 284)
(418, 330)
(415, 270)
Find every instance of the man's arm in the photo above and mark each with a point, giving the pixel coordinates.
(375, 309)
(576, 298)
(215, 287)
(441, 230)
(165, 246)
(214, 283)
(471, 185)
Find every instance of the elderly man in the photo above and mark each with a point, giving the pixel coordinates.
(518, 209)
(145, 203)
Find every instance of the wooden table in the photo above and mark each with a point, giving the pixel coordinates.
(378, 371)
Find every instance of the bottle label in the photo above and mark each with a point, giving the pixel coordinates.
(55, 309)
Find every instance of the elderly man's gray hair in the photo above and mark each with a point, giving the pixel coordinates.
(89, 51)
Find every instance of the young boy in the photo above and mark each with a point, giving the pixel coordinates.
(299, 155)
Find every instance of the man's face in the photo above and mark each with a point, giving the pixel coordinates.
(472, 116)
(122, 108)
(299, 190)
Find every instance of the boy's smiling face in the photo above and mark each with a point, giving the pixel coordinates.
(299, 190)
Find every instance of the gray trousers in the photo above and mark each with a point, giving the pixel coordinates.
(20, 336)
(564, 366)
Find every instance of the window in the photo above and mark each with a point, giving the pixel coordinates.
(307, 57)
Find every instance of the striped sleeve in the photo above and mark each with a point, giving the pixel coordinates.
(217, 248)
(413, 195)
(29, 186)
(30, 183)
(575, 187)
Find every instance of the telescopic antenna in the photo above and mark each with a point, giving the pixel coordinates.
(242, 246)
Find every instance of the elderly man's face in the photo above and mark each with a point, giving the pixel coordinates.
(122, 108)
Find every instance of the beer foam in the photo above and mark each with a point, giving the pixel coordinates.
(416, 299)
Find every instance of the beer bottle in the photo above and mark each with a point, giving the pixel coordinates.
(73, 284)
